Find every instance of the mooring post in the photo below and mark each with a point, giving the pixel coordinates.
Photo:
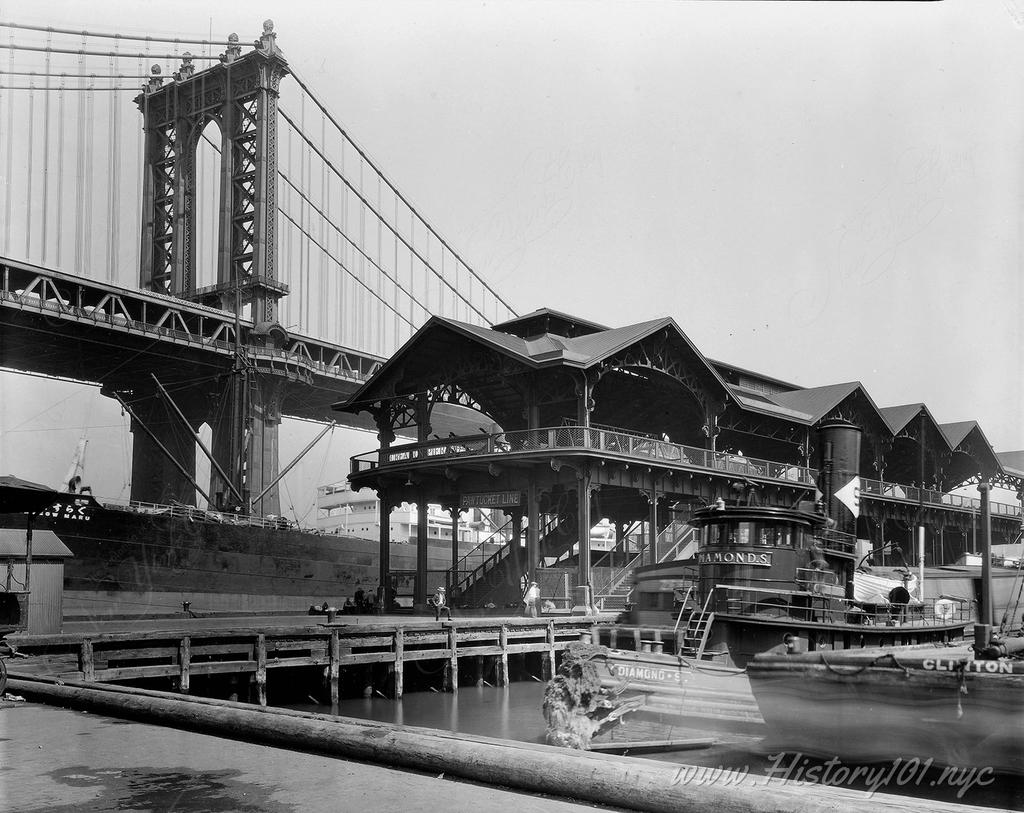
(334, 666)
(503, 657)
(636, 639)
(184, 661)
(595, 635)
(261, 669)
(399, 656)
(451, 670)
(87, 664)
(613, 638)
(548, 667)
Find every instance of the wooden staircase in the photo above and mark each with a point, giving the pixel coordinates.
(695, 636)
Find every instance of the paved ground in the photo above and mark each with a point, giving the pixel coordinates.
(57, 760)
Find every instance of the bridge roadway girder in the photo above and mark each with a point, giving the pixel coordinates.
(44, 332)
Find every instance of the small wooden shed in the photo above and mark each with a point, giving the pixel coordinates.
(46, 600)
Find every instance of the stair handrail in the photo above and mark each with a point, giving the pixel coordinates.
(705, 618)
(682, 609)
(479, 547)
(496, 558)
(623, 573)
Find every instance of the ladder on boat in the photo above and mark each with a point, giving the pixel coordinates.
(698, 630)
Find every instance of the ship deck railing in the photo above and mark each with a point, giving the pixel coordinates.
(620, 443)
(819, 603)
(190, 512)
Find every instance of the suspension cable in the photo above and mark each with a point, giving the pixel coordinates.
(118, 54)
(305, 87)
(106, 35)
(341, 264)
(358, 193)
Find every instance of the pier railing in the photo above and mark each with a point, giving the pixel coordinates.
(931, 497)
(623, 444)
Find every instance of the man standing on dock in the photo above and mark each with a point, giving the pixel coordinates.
(531, 600)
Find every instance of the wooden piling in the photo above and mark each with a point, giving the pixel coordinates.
(334, 667)
(399, 662)
(548, 665)
(184, 663)
(86, 661)
(479, 670)
(261, 669)
(451, 667)
(503, 656)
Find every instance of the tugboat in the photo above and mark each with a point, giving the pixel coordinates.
(765, 578)
(960, 707)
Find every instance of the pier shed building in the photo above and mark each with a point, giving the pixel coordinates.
(579, 422)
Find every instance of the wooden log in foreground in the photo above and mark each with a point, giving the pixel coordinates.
(633, 784)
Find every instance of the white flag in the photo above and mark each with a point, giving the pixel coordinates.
(849, 495)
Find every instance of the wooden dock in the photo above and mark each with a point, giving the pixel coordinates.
(250, 653)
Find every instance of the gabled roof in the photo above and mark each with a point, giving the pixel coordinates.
(817, 402)
(1012, 462)
(899, 416)
(549, 350)
(956, 432)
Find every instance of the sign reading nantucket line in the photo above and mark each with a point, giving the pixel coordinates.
(492, 499)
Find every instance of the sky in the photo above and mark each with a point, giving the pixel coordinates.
(821, 192)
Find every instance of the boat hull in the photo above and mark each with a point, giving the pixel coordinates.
(882, 705)
(129, 562)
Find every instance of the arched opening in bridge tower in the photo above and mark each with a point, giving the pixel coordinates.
(207, 202)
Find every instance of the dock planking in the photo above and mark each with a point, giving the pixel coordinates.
(250, 652)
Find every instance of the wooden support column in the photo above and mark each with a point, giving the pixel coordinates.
(532, 529)
(451, 667)
(261, 669)
(453, 577)
(584, 600)
(334, 667)
(521, 560)
(184, 662)
(479, 670)
(399, 662)
(384, 565)
(503, 657)
(652, 527)
(548, 665)
(87, 664)
(419, 598)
